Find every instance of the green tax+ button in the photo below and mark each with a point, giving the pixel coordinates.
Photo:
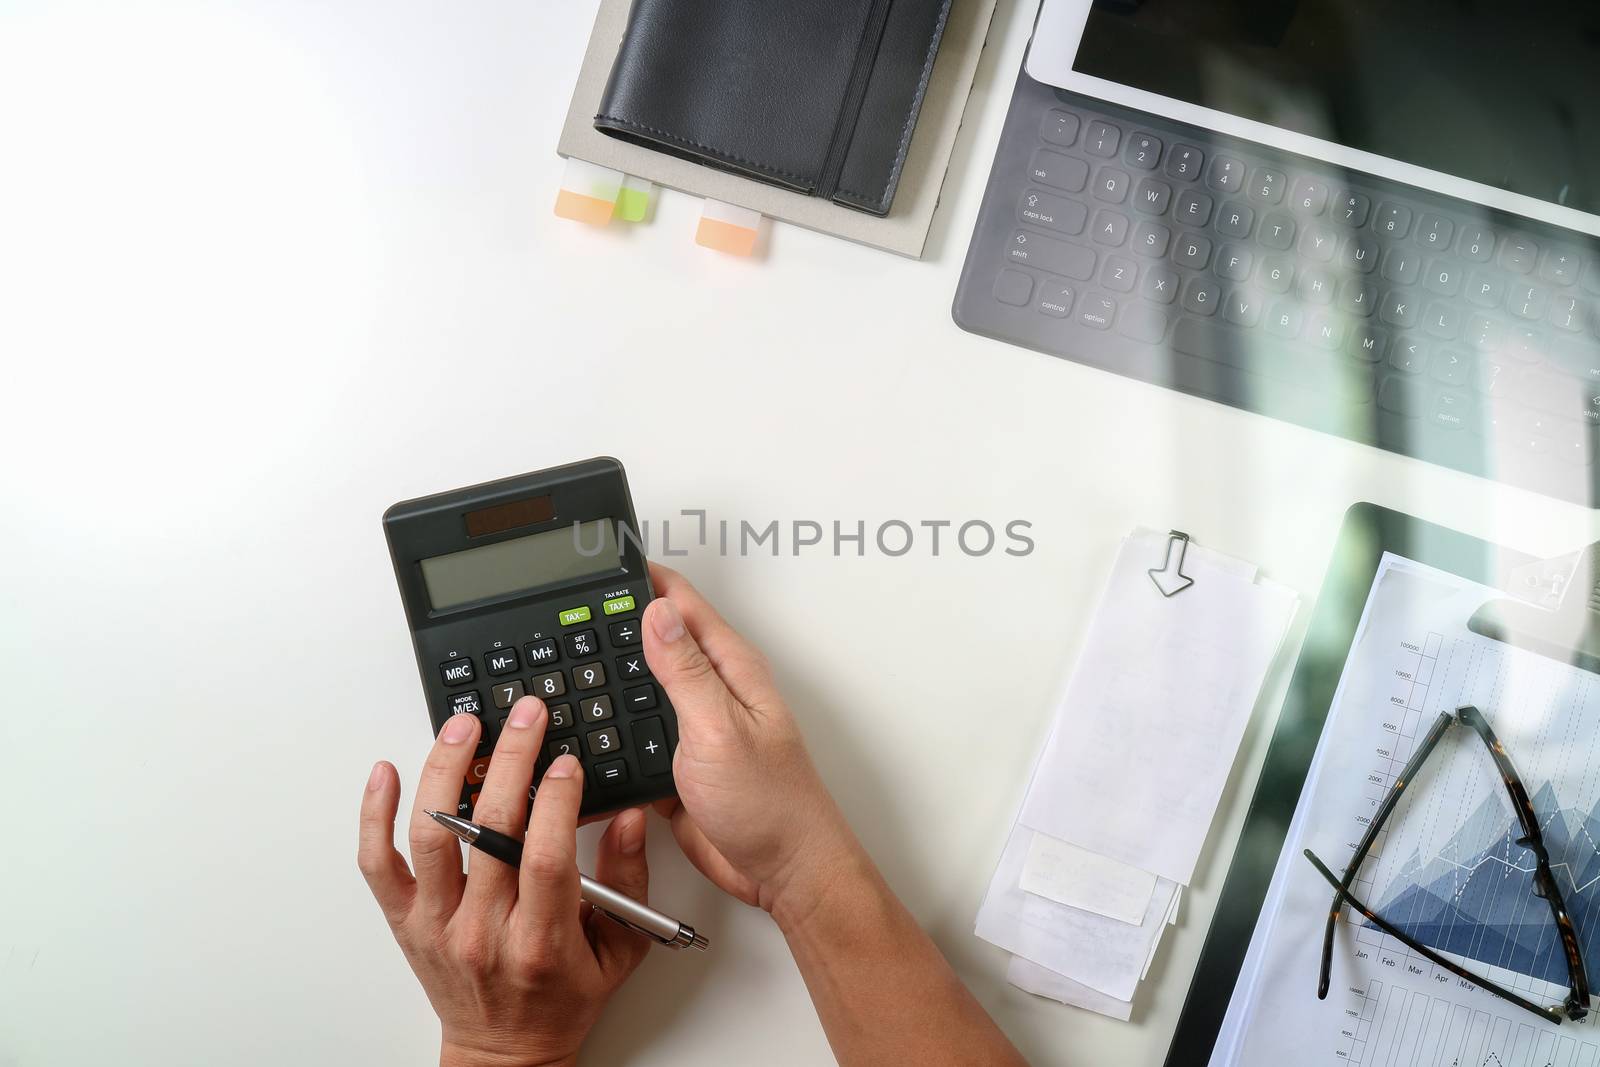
(618, 605)
(575, 615)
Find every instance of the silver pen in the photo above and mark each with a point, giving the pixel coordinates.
(618, 907)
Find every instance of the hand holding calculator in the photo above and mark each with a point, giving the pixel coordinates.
(537, 585)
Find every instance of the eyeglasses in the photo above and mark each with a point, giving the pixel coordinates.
(1544, 882)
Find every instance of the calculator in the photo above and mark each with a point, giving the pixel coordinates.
(537, 585)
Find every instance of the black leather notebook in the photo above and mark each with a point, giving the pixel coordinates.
(818, 96)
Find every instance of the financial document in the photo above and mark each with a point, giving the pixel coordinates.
(1447, 869)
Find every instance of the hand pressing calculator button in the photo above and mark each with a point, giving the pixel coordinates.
(536, 586)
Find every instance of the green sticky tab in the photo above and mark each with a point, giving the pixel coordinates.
(618, 606)
(632, 205)
(575, 615)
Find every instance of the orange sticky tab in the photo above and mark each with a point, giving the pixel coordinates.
(588, 193)
(580, 208)
(729, 229)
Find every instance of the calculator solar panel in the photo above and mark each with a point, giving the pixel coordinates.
(1279, 284)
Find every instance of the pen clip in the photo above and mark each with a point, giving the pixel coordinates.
(635, 927)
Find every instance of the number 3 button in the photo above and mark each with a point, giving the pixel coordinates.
(604, 741)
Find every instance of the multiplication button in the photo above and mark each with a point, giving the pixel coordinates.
(457, 671)
(632, 667)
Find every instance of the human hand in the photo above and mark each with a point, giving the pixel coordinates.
(751, 813)
(516, 968)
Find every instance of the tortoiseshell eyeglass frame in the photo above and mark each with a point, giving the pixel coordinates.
(1544, 882)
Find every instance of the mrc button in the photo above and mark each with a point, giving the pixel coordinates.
(456, 672)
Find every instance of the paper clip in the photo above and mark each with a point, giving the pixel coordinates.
(1169, 568)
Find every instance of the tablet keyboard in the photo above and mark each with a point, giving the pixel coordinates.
(1390, 315)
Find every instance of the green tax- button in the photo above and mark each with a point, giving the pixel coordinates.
(574, 615)
(617, 606)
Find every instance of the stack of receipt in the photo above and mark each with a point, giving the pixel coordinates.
(1124, 792)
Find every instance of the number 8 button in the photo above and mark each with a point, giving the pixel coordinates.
(548, 685)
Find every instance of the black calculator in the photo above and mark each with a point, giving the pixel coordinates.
(537, 585)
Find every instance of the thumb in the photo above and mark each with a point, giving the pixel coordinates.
(696, 690)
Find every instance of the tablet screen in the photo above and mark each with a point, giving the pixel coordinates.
(1493, 92)
(1447, 868)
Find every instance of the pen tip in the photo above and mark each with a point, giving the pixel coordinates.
(430, 814)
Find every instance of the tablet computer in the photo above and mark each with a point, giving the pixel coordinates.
(1388, 649)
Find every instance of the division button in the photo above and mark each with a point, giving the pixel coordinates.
(625, 634)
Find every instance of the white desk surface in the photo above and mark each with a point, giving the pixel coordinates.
(267, 268)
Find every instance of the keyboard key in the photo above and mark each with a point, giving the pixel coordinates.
(1143, 151)
(1052, 212)
(545, 686)
(1102, 139)
(1194, 208)
(1318, 243)
(582, 643)
(1495, 379)
(1360, 254)
(508, 693)
(1277, 232)
(1152, 196)
(1285, 318)
(1559, 267)
(1051, 255)
(1059, 128)
(1399, 308)
(1316, 287)
(1476, 244)
(1243, 307)
(1110, 227)
(538, 653)
(1577, 358)
(1277, 273)
(457, 671)
(595, 709)
(1058, 171)
(1408, 355)
(1326, 331)
(639, 698)
(1013, 287)
(1367, 342)
(1055, 298)
(650, 746)
(1528, 301)
(1234, 262)
(604, 742)
(1452, 409)
(1443, 320)
(1526, 344)
(1392, 220)
(1435, 231)
(1306, 368)
(1568, 313)
(1403, 396)
(1351, 209)
(1591, 277)
(1201, 296)
(1235, 220)
(1226, 176)
(1111, 185)
(1356, 297)
(1442, 277)
(502, 661)
(1097, 312)
(1401, 264)
(1184, 162)
(1118, 274)
(1310, 197)
(1482, 332)
(1485, 290)
(1192, 251)
(1267, 186)
(1143, 323)
(1519, 254)
(1451, 367)
(1151, 239)
(1159, 284)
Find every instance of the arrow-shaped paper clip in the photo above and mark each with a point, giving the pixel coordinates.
(1169, 568)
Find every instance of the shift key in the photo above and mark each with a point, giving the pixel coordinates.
(1050, 255)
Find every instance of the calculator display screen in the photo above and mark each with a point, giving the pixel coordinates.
(1497, 93)
(581, 550)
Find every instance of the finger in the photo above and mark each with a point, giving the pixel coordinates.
(381, 863)
(503, 806)
(698, 693)
(694, 844)
(435, 851)
(620, 863)
(741, 664)
(547, 891)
